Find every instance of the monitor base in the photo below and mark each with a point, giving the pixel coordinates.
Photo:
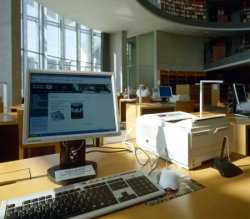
(165, 100)
(51, 174)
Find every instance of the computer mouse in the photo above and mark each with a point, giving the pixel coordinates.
(168, 180)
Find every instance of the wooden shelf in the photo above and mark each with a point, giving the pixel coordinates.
(173, 78)
(245, 11)
(191, 9)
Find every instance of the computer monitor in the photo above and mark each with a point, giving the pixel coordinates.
(239, 92)
(165, 92)
(68, 107)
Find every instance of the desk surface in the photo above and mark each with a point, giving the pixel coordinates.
(133, 100)
(221, 197)
(155, 105)
(8, 119)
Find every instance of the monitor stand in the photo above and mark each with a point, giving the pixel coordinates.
(165, 99)
(73, 167)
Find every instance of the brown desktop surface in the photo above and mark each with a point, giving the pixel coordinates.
(221, 197)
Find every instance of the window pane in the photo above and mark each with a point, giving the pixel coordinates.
(53, 41)
(82, 27)
(57, 54)
(70, 44)
(97, 32)
(84, 66)
(33, 60)
(69, 23)
(85, 48)
(32, 36)
(32, 8)
(51, 16)
(70, 65)
(53, 63)
(97, 51)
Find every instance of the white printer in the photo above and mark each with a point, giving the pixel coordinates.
(182, 138)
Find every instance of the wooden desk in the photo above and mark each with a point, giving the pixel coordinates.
(8, 119)
(122, 108)
(221, 198)
(13, 109)
(135, 110)
(8, 137)
(241, 134)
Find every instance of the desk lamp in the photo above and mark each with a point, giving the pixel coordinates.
(225, 167)
(201, 91)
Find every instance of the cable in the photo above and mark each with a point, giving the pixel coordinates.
(228, 149)
(129, 145)
(128, 132)
(132, 148)
(153, 163)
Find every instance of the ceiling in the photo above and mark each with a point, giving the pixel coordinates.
(117, 15)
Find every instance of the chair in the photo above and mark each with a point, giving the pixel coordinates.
(185, 105)
(22, 147)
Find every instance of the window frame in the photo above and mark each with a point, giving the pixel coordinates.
(42, 53)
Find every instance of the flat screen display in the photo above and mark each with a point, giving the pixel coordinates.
(240, 93)
(66, 105)
(165, 91)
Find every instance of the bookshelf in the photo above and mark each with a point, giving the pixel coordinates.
(173, 78)
(191, 9)
(194, 92)
(217, 48)
(245, 11)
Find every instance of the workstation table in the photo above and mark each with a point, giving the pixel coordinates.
(220, 198)
(8, 136)
(122, 107)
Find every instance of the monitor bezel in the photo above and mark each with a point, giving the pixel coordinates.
(60, 138)
(236, 96)
(166, 86)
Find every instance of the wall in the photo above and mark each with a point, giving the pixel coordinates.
(5, 45)
(132, 68)
(10, 52)
(164, 51)
(118, 59)
(145, 59)
(179, 52)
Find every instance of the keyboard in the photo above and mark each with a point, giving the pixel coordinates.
(84, 200)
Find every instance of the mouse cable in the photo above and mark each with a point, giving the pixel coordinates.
(129, 145)
(153, 163)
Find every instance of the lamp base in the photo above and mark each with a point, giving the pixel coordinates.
(226, 168)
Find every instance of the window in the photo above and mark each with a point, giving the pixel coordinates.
(51, 41)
